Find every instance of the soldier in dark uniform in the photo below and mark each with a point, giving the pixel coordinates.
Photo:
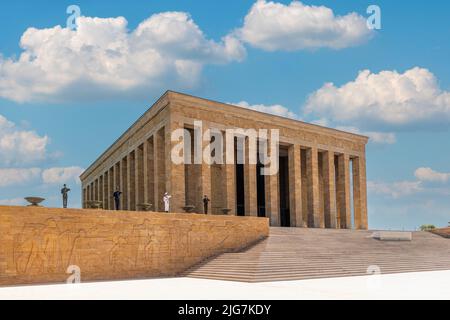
(65, 194)
(206, 201)
(116, 196)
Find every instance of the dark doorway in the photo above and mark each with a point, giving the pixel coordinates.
(285, 216)
(240, 190)
(261, 190)
(239, 146)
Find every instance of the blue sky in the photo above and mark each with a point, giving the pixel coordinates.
(403, 102)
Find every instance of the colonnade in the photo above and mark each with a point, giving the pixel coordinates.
(322, 188)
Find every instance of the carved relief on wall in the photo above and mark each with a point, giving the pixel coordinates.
(109, 246)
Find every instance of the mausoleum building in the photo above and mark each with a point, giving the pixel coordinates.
(320, 181)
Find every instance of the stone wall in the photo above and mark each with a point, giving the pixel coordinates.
(444, 232)
(39, 244)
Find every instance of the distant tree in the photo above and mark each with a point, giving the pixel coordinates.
(427, 227)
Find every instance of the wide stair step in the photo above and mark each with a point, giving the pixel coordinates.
(297, 254)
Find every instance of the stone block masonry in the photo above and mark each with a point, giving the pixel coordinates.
(321, 184)
(39, 244)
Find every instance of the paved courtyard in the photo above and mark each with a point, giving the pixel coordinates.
(424, 285)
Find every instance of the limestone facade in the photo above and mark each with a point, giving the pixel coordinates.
(321, 182)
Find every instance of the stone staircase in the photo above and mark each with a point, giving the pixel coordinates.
(297, 254)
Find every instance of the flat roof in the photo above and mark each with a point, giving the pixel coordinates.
(269, 114)
(167, 94)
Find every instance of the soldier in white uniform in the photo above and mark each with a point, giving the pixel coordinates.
(166, 200)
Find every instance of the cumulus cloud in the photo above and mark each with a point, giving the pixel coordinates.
(387, 99)
(395, 189)
(62, 175)
(22, 176)
(276, 109)
(12, 202)
(279, 110)
(430, 175)
(15, 177)
(274, 26)
(19, 146)
(374, 136)
(103, 57)
(399, 189)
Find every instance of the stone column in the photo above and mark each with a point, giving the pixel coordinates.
(230, 178)
(98, 189)
(329, 189)
(205, 172)
(96, 192)
(124, 184)
(360, 193)
(295, 186)
(111, 188)
(160, 168)
(139, 175)
(130, 182)
(116, 181)
(312, 171)
(151, 173)
(145, 171)
(272, 188)
(135, 174)
(343, 191)
(251, 200)
(175, 181)
(103, 191)
(156, 143)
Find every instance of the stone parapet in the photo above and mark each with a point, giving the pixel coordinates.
(39, 244)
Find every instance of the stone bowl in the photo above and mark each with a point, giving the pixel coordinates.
(226, 211)
(188, 208)
(145, 206)
(94, 204)
(35, 201)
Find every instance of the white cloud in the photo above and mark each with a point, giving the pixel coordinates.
(14, 177)
(279, 110)
(276, 109)
(429, 175)
(22, 176)
(12, 202)
(395, 189)
(399, 189)
(62, 175)
(374, 136)
(274, 26)
(321, 122)
(389, 99)
(19, 146)
(102, 57)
